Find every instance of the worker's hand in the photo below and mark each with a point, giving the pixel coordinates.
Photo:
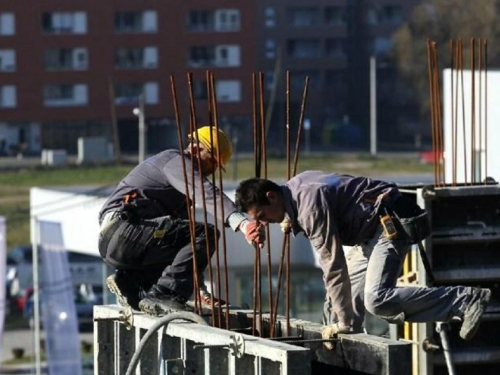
(331, 331)
(286, 225)
(254, 232)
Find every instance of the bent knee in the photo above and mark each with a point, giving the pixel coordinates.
(383, 307)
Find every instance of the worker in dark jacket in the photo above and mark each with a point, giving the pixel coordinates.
(145, 231)
(334, 210)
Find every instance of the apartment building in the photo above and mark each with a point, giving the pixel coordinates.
(331, 41)
(60, 62)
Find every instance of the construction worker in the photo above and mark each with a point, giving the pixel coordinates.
(145, 231)
(334, 210)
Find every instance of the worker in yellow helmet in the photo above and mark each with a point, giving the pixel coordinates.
(145, 231)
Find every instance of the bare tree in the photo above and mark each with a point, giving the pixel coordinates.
(442, 20)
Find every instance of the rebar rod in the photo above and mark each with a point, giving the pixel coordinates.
(192, 125)
(204, 203)
(221, 189)
(181, 150)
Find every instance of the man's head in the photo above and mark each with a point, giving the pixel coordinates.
(261, 199)
(209, 143)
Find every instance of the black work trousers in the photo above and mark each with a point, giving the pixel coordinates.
(157, 251)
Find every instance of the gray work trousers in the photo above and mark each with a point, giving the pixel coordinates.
(374, 268)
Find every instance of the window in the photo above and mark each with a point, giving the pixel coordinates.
(303, 48)
(228, 91)
(7, 24)
(8, 96)
(390, 14)
(127, 93)
(270, 17)
(227, 56)
(139, 57)
(201, 56)
(335, 47)
(64, 23)
(7, 60)
(298, 79)
(382, 45)
(65, 59)
(227, 20)
(384, 15)
(270, 49)
(136, 22)
(65, 95)
(200, 90)
(302, 16)
(336, 80)
(220, 56)
(200, 20)
(334, 16)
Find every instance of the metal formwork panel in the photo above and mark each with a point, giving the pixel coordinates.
(463, 249)
(174, 349)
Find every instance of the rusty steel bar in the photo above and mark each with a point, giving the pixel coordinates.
(455, 125)
(278, 287)
(473, 109)
(301, 125)
(268, 232)
(204, 204)
(181, 150)
(431, 105)
(287, 94)
(213, 284)
(439, 119)
(453, 151)
(485, 109)
(221, 189)
(464, 130)
(192, 125)
(480, 66)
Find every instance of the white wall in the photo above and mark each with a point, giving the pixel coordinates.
(493, 130)
(78, 215)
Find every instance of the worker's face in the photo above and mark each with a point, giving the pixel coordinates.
(208, 163)
(274, 212)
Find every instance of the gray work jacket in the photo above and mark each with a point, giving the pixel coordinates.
(334, 210)
(159, 180)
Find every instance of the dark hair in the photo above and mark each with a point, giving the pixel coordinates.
(252, 192)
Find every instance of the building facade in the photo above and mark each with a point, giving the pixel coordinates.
(331, 41)
(63, 65)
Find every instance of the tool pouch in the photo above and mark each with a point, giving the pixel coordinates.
(417, 228)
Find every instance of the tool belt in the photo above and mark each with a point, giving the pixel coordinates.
(413, 220)
(137, 206)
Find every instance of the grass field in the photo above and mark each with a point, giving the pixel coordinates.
(15, 185)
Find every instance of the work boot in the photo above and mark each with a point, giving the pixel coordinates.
(473, 312)
(125, 287)
(160, 301)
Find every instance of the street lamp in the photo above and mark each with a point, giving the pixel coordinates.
(139, 112)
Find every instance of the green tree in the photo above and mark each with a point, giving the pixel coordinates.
(440, 21)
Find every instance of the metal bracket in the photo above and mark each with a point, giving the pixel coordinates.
(126, 316)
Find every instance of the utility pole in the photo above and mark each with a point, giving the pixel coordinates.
(373, 106)
(139, 112)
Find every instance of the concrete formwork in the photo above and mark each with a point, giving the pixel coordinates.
(175, 351)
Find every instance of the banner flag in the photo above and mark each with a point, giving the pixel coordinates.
(3, 271)
(62, 342)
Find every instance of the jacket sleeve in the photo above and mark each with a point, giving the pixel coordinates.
(319, 224)
(175, 177)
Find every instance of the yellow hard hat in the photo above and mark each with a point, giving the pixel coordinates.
(221, 142)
